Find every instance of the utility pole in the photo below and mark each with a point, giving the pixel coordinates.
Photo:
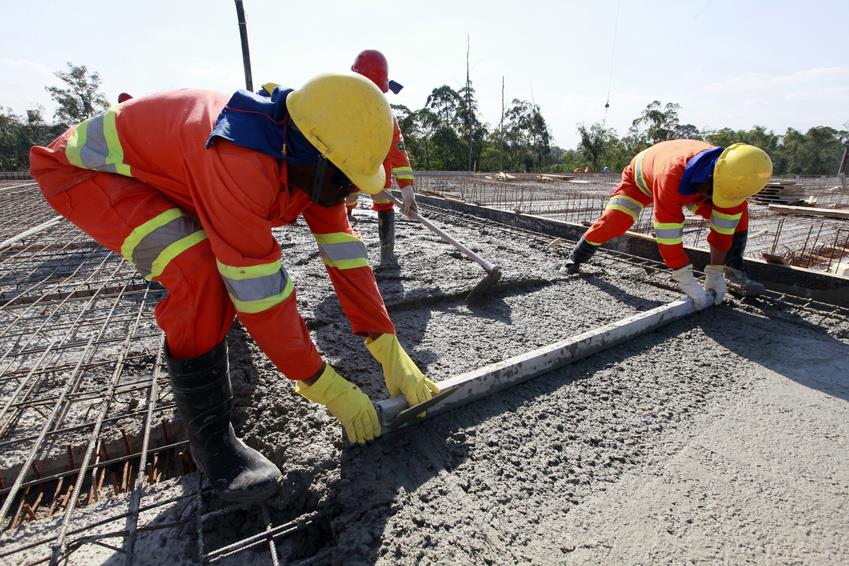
(501, 128)
(468, 101)
(246, 53)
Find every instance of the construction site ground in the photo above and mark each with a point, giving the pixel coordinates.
(723, 437)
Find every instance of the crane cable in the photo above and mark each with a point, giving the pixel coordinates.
(610, 68)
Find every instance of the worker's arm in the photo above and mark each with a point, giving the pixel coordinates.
(346, 261)
(723, 224)
(669, 229)
(235, 193)
(399, 161)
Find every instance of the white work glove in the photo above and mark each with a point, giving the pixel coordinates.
(715, 281)
(409, 200)
(687, 282)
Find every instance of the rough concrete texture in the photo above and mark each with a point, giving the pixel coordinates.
(722, 437)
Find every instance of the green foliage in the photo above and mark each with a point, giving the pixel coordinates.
(80, 98)
(437, 135)
(18, 134)
(816, 152)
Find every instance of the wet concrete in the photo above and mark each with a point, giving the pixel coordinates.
(575, 465)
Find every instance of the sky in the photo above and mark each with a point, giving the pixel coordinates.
(735, 64)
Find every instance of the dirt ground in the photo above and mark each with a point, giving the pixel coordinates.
(720, 438)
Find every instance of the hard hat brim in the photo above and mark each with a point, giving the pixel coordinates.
(370, 184)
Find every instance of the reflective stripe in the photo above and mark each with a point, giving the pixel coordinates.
(638, 173)
(724, 223)
(95, 144)
(342, 250)
(593, 243)
(403, 172)
(255, 288)
(669, 233)
(626, 204)
(151, 246)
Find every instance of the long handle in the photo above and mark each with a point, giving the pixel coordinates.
(489, 267)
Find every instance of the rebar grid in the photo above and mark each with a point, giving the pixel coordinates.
(81, 385)
(21, 199)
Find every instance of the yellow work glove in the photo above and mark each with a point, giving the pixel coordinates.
(399, 371)
(346, 402)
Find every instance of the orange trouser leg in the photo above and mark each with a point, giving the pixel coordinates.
(623, 209)
(197, 312)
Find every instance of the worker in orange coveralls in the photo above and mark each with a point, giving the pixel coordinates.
(187, 186)
(373, 65)
(713, 182)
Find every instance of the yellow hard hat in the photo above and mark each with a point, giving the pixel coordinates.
(347, 119)
(740, 171)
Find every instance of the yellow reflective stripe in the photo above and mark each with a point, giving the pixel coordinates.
(248, 272)
(403, 172)
(669, 233)
(624, 209)
(137, 235)
(593, 243)
(734, 217)
(638, 173)
(720, 230)
(172, 251)
(116, 152)
(259, 305)
(723, 223)
(75, 145)
(335, 238)
(346, 263)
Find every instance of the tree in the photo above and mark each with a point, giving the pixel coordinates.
(658, 123)
(80, 98)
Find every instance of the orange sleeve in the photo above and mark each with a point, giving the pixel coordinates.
(723, 223)
(346, 260)
(669, 220)
(398, 158)
(236, 196)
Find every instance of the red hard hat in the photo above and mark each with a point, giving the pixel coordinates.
(123, 97)
(372, 64)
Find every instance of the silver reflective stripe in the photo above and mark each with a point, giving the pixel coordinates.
(149, 248)
(343, 250)
(627, 203)
(257, 288)
(93, 154)
(669, 233)
(721, 222)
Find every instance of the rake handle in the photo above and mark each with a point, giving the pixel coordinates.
(414, 215)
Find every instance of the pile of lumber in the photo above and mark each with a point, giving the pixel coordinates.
(780, 192)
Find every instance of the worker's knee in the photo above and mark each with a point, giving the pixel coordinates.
(197, 312)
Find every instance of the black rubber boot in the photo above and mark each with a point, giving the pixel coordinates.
(581, 253)
(204, 397)
(386, 231)
(734, 273)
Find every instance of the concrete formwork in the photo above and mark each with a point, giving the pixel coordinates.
(650, 441)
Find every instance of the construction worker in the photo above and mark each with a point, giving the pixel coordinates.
(713, 182)
(187, 185)
(373, 65)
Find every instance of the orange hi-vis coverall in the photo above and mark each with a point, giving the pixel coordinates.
(139, 179)
(653, 178)
(396, 161)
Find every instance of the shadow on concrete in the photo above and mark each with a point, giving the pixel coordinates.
(786, 344)
(621, 294)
